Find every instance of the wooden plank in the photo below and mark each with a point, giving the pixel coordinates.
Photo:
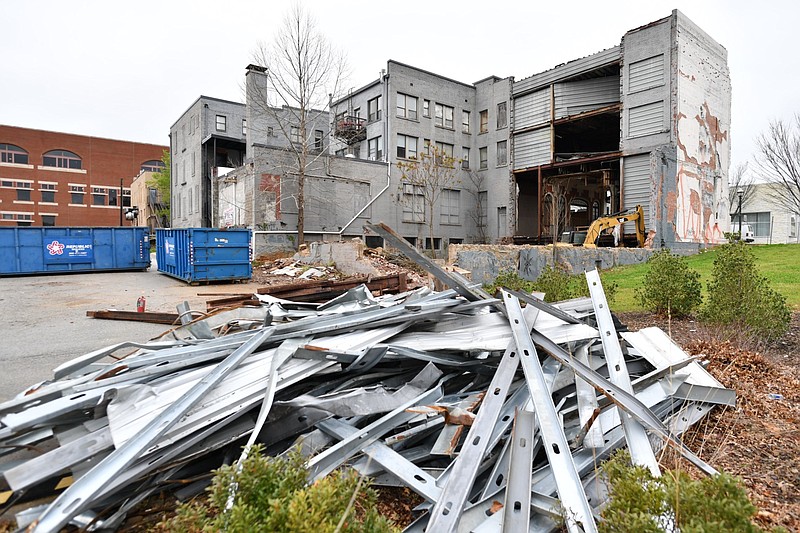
(147, 316)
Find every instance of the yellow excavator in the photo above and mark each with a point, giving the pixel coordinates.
(598, 233)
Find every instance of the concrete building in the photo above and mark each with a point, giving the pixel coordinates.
(208, 140)
(407, 110)
(771, 221)
(643, 123)
(60, 179)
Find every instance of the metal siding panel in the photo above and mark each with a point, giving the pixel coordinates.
(636, 176)
(532, 148)
(646, 119)
(532, 109)
(605, 57)
(646, 74)
(576, 97)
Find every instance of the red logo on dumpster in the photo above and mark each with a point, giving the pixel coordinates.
(56, 248)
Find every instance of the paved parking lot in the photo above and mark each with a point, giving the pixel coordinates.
(43, 320)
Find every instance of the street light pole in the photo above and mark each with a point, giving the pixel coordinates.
(740, 193)
(119, 200)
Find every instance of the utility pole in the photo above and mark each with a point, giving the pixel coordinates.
(740, 193)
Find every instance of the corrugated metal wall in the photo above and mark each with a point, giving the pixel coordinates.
(532, 109)
(576, 97)
(636, 183)
(532, 148)
(646, 119)
(646, 74)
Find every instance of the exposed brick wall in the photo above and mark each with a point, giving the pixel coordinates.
(104, 163)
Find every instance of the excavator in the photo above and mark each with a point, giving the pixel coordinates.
(599, 233)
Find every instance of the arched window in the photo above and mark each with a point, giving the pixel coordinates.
(154, 165)
(61, 159)
(10, 153)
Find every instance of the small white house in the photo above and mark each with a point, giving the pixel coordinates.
(771, 222)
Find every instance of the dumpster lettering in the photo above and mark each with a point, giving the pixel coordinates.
(69, 250)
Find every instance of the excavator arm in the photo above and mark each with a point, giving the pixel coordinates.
(605, 223)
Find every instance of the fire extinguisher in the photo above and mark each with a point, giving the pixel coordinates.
(140, 304)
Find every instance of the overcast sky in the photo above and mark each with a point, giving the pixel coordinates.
(128, 70)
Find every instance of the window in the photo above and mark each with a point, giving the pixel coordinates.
(406, 147)
(76, 194)
(270, 131)
(222, 123)
(502, 115)
(244, 127)
(375, 146)
(152, 166)
(451, 206)
(413, 203)
(98, 196)
(126, 197)
(49, 196)
(444, 116)
(10, 153)
(374, 109)
(759, 222)
(437, 243)
(483, 209)
(112, 197)
(502, 153)
(465, 157)
(465, 121)
(483, 154)
(24, 195)
(25, 224)
(445, 152)
(190, 201)
(61, 159)
(426, 108)
(318, 139)
(406, 106)
(484, 116)
(48, 220)
(294, 134)
(793, 226)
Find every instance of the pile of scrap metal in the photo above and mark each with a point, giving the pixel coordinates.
(496, 414)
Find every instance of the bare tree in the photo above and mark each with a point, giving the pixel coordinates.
(478, 213)
(740, 180)
(424, 180)
(778, 161)
(303, 73)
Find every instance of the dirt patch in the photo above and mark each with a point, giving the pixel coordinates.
(759, 439)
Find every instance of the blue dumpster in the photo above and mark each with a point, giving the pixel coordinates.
(45, 250)
(204, 254)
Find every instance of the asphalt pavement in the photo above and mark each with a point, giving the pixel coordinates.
(43, 320)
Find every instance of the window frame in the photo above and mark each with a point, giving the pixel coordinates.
(502, 150)
(483, 158)
(9, 153)
(413, 204)
(465, 121)
(62, 159)
(502, 115)
(375, 148)
(450, 207)
(405, 147)
(223, 122)
(426, 108)
(465, 157)
(484, 121)
(441, 114)
(407, 112)
(374, 109)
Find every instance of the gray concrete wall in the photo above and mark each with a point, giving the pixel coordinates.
(487, 262)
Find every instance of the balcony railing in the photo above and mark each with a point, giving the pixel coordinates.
(350, 129)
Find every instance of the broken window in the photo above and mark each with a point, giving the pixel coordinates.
(502, 153)
(484, 115)
(502, 115)
(451, 206)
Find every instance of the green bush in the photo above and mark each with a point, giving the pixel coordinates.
(670, 286)
(741, 298)
(273, 496)
(674, 502)
(556, 283)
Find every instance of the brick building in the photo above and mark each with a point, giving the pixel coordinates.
(60, 179)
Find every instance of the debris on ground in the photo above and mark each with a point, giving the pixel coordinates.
(433, 392)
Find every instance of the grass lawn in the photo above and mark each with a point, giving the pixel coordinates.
(779, 263)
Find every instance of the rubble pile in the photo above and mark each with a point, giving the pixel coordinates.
(496, 414)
